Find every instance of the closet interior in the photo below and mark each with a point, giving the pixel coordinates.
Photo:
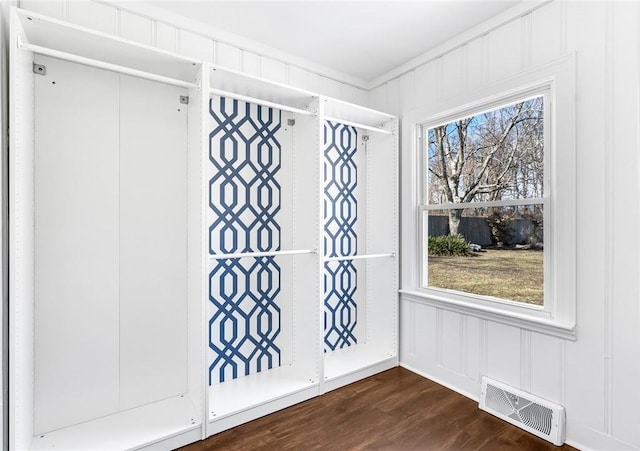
(192, 247)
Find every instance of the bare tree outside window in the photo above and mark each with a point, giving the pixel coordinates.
(485, 187)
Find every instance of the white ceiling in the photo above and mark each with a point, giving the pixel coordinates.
(362, 39)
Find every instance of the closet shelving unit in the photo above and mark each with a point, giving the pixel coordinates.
(374, 256)
(118, 256)
(283, 122)
(106, 315)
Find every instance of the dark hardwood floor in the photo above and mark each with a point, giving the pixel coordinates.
(394, 410)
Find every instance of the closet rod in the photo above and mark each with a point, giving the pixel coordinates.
(357, 125)
(260, 254)
(233, 95)
(357, 257)
(104, 65)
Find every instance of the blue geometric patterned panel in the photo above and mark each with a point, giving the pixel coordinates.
(340, 239)
(244, 201)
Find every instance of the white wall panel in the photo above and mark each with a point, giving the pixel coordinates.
(228, 56)
(452, 72)
(136, 28)
(378, 98)
(625, 334)
(76, 241)
(505, 50)
(546, 367)
(93, 15)
(425, 87)
(298, 77)
(450, 336)
(166, 36)
(273, 70)
(195, 45)
(547, 33)
(153, 242)
(477, 61)
(586, 35)
(503, 353)
(49, 8)
(471, 350)
(250, 63)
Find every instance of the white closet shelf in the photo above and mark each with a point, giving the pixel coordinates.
(279, 106)
(359, 116)
(354, 358)
(246, 392)
(261, 254)
(128, 429)
(359, 125)
(53, 35)
(102, 65)
(358, 257)
(259, 90)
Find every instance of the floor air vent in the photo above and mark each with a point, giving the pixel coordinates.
(529, 412)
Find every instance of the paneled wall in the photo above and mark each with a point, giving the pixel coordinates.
(201, 43)
(595, 377)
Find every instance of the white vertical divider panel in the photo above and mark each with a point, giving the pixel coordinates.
(76, 244)
(21, 245)
(381, 216)
(307, 288)
(153, 241)
(285, 220)
(361, 193)
(197, 248)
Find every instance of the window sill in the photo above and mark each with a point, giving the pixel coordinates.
(522, 319)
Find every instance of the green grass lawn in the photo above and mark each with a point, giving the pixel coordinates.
(515, 275)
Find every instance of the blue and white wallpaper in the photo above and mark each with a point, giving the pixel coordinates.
(244, 206)
(340, 238)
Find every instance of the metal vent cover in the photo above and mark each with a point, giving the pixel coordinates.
(525, 410)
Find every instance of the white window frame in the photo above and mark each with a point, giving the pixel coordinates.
(556, 82)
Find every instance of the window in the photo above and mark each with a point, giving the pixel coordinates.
(483, 203)
(496, 166)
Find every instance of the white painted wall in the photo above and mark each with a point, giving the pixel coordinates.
(595, 377)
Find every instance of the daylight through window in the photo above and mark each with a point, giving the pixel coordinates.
(484, 203)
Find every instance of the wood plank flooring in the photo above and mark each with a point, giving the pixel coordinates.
(394, 410)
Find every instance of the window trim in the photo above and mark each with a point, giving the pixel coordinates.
(556, 81)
